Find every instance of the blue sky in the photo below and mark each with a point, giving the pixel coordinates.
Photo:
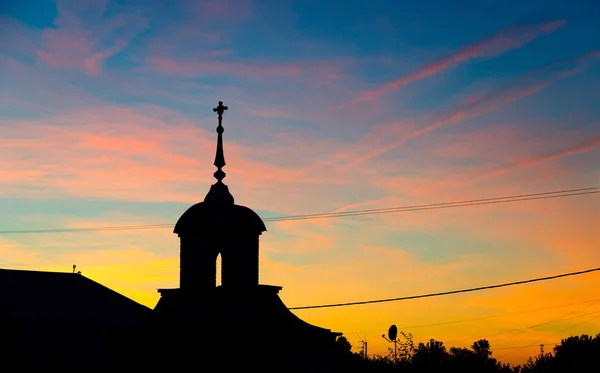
(106, 119)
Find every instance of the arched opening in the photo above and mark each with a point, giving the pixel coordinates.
(219, 269)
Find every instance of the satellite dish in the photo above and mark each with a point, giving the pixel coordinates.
(392, 332)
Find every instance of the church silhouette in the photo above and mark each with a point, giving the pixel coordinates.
(240, 324)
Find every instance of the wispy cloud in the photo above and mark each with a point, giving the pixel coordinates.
(104, 152)
(485, 102)
(502, 41)
(209, 65)
(582, 147)
(219, 10)
(84, 44)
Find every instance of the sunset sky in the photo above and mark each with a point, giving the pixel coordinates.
(106, 120)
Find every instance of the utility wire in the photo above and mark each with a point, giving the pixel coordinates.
(448, 292)
(522, 347)
(552, 321)
(411, 327)
(514, 332)
(564, 330)
(513, 198)
(431, 207)
(475, 202)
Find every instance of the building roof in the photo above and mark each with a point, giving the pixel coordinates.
(257, 307)
(65, 296)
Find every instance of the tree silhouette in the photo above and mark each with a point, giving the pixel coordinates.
(482, 348)
(431, 356)
(342, 348)
(406, 348)
(573, 354)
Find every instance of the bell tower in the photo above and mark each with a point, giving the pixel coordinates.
(240, 306)
(219, 226)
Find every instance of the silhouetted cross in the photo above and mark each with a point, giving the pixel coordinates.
(219, 157)
(220, 109)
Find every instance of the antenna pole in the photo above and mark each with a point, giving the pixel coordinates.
(364, 349)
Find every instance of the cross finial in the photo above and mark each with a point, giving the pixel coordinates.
(220, 109)
(220, 157)
(219, 191)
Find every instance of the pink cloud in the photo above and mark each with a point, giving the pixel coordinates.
(23, 103)
(451, 167)
(232, 10)
(90, 7)
(504, 40)
(215, 11)
(476, 144)
(205, 65)
(271, 112)
(16, 37)
(114, 152)
(582, 147)
(122, 149)
(204, 23)
(40, 91)
(81, 43)
(486, 102)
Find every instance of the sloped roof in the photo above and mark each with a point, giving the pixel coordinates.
(65, 296)
(258, 307)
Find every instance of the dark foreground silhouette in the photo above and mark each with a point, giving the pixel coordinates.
(573, 354)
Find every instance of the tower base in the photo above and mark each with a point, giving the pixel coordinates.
(237, 328)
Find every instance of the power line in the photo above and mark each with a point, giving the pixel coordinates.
(514, 332)
(513, 347)
(565, 329)
(499, 315)
(447, 292)
(513, 198)
(410, 327)
(432, 206)
(521, 347)
(552, 321)
(562, 318)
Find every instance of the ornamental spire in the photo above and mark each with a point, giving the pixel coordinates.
(219, 192)
(220, 157)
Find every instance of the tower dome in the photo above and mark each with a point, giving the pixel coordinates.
(219, 226)
(205, 217)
